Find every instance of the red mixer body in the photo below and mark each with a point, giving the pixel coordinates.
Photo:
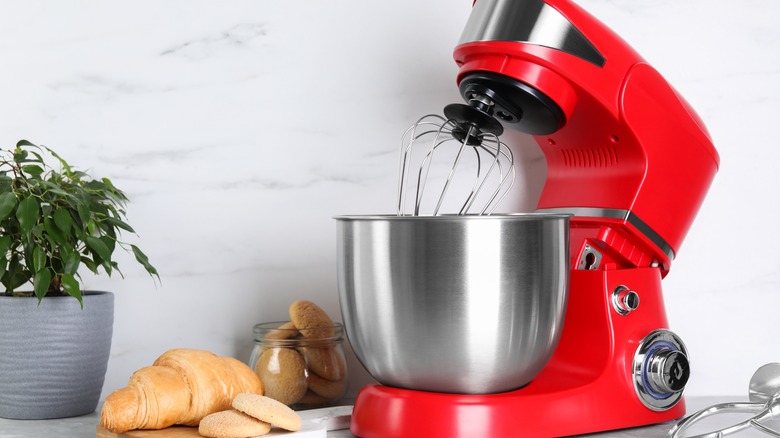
(632, 162)
(630, 142)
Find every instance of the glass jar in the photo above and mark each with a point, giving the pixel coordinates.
(300, 368)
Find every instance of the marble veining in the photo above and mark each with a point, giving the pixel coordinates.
(237, 36)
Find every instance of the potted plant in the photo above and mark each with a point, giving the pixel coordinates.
(55, 338)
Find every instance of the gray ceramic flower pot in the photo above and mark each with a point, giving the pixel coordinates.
(53, 356)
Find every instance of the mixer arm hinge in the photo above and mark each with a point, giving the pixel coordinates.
(590, 258)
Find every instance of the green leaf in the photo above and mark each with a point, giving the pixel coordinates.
(7, 204)
(109, 242)
(115, 267)
(71, 286)
(78, 175)
(56, 189)
(23, 142)
(15, 275)
(5, 244)
(91, 228)
(41, 283)
(15, 278)
(38, 157)
(76, 221)
(32, 169)
(20, 155)
(109, 233)
(144, 260)
(63, 220)
(54, 232)
(27, 213)
(83, 211)
(119, 224)
(39, 258)
(98, 247)
(72, 261)
(64, 163)
(5, 182)
(3, 264)
(90, 264)
(108, 266)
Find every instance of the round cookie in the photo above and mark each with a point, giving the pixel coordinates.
(313, 400)
(279, 335)
(327, 388)
(307, 315)
(283, 373)
(285, 331)
(326, 362)
(268, 410)
(232, 424)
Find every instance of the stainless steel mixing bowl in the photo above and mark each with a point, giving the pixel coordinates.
(457, 304)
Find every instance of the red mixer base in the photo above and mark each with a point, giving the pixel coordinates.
(386, 412)
(587, 386)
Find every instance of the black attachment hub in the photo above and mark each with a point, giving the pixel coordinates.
(471, 123)
(520, 105)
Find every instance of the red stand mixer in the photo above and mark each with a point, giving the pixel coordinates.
(631, 161)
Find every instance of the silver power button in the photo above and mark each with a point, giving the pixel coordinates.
(624, 300)
(661, 370)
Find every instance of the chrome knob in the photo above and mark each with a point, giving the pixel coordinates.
(668, 371)
(661, 370)
(624, 300)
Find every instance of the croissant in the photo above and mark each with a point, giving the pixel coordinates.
(181, 387)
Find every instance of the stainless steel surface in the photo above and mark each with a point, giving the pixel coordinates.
(484, 172)
(653, 352)
(765, 383)
(763, 408)
(668, 371)
(613, 213)
(459, 304)
(732, 408)
(528, 21)
(590, 259)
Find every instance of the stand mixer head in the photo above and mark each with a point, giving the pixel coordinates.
(626, 154)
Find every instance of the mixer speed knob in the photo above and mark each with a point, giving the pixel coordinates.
(668, 371)
(661, 370)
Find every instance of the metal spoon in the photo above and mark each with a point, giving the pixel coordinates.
(764, 393)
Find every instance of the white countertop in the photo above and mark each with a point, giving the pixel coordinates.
(84, 426)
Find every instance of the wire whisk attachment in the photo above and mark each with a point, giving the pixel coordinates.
(475, 162)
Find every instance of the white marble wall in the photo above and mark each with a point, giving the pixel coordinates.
(239, 128)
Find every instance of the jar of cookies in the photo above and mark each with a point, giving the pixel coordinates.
(302, 368)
